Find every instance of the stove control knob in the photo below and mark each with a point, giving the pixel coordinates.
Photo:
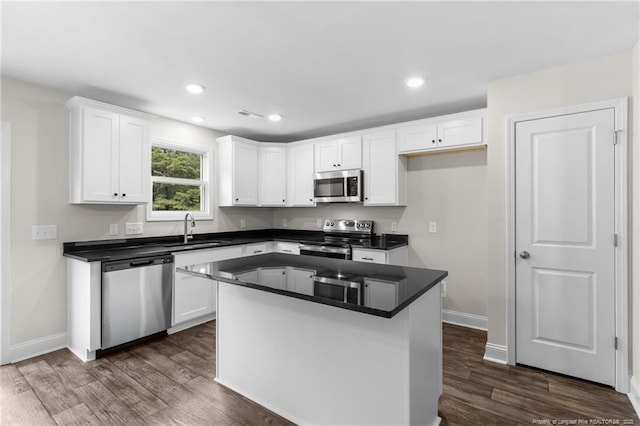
(326, 223)
(367, 225)
(331, 224)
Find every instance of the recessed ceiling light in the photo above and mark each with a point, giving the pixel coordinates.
(415, 82)
(194, 88)
(197, 119)
(275, 117)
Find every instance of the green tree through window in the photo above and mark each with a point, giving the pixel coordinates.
(177, 179)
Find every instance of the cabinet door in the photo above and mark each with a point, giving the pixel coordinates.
(193, 297)
(135, 162)
(380, 169)
(326, 157)
(273, 175)
(245, 174)
(300, 176)
(380, 294)
(300, 280)
(417, 137)
(466, 131)
(350, 153)
(273, 277)
(100, 155)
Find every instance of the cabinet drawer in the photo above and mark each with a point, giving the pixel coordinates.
(193, 258)
(372, 256)
(227, 253)
(285, 247)
(258, 248)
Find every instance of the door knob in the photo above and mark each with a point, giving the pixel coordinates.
(524, 254)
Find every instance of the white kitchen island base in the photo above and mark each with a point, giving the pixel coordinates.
(322, 365)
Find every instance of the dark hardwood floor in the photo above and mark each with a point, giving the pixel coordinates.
(170, 382)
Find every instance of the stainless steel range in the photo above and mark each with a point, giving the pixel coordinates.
(339, 235)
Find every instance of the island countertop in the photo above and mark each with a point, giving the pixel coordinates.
(277, 273)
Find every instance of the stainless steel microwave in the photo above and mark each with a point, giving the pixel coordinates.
(344, 186)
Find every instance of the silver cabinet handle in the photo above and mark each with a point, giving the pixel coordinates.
(367, 258)
(286, 250)
(524, 254)
(257, 251)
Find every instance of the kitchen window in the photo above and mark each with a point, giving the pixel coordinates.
(180, 181)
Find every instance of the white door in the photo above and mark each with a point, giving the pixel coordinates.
(380, 169)
(273, 170)
(300, 175)
(565, 306)
(134, 159)
(245, 174)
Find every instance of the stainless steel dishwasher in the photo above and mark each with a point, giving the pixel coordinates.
(136, 299)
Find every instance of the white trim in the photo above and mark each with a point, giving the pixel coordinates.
(495, 353)
(620, 106)
(37, 347)
(5, 244)
(206, 183)
(634, 394)
(192, 323)
(465, 320)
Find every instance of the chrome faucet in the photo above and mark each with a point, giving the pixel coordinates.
(188, 237)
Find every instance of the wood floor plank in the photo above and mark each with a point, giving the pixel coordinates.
(204, 367)
(74, 373)
(80, 415)
(106, 406)
(460, 413)
(543, 409)
(170, 392)
(23, 408)
(12, 382)
(128, 390)
(176, 371)
(49, 387)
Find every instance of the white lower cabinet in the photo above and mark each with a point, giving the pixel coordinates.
(258, 248)
(380, 293)
(300, 280)
(193, 297)
(397, 256)
(273, 277)
(287, 247)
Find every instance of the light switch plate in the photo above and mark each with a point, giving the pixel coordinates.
(44, 232)
(113, 229)
(318, 223)
(285, 223)
(433, 227)
(133, 228)
(243, 223)
(394, 226)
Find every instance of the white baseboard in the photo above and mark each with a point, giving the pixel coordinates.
(464, 320)
(495, 353)
(634, 395)
(36, 347)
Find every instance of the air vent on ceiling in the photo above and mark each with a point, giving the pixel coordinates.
(250, 114)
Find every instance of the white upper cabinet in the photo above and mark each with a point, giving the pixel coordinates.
(338, 154)
(109, 154)
(385, 173)
(237, 172)
(300, 175)
(449, 132)
(273, 175)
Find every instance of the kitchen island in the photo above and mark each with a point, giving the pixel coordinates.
(328, 341)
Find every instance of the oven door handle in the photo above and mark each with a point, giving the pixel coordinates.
(325, 249)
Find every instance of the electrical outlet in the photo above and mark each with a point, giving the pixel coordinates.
(243, 223)
(394, 226)
(133, 228)
(44, 232)
(444, 288)
(113, 229)
(285, 223)
(433, 227)
(318, 223)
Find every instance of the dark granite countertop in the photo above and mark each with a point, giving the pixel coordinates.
(131, 248)
(269, 272)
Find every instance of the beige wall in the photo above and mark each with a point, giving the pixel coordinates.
(39, 124)
(635, 212)
(599, 79)
(449, 189)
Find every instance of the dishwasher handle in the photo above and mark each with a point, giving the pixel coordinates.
(136, 263)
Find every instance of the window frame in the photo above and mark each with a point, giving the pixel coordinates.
(206, 210)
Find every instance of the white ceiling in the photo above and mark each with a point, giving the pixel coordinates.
(327, 67)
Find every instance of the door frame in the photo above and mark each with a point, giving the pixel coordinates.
(5, 244)
(621, 273)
